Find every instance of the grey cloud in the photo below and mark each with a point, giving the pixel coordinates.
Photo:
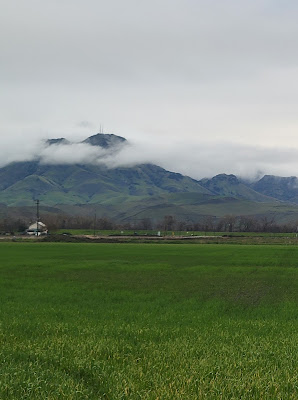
(85, 124)
(208, 159)
(186, 40)
(156, 72)
(74, 153)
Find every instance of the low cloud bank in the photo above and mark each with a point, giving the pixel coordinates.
(197, 160)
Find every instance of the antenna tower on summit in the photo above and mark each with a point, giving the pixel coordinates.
(101, 128)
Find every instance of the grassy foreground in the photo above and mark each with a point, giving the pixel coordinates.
(148, 321)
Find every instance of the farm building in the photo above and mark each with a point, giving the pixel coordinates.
(42, 229)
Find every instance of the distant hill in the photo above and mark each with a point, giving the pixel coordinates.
(281, 188)
(22, 182)
(105, 141)
(229, 185)
(142, 191)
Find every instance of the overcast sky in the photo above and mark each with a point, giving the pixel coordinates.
(199, 87)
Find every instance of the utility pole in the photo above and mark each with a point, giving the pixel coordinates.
(94, 223)
(37, 217)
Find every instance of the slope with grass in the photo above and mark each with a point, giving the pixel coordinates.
(83, 184)
(230, 186)
(282, 188)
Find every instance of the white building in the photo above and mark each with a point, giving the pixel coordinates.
(42, 229)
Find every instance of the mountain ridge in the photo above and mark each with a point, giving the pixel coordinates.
(141, 189)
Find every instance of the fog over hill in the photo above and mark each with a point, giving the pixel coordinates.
(68, 171)
(106, 172)
(196, 159)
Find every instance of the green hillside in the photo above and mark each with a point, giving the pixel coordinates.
(84, 184)
(230, 185)
(282, 188)
(142, 191)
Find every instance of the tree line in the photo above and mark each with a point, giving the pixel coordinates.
(227, 223)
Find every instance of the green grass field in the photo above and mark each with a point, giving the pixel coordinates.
(148, 321)
(170, 233)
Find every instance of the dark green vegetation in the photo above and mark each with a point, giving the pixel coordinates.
(126, 321)
(82, 184)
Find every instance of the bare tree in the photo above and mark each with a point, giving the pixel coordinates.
(169, 222)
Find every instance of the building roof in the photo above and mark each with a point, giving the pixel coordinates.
(41, 225)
